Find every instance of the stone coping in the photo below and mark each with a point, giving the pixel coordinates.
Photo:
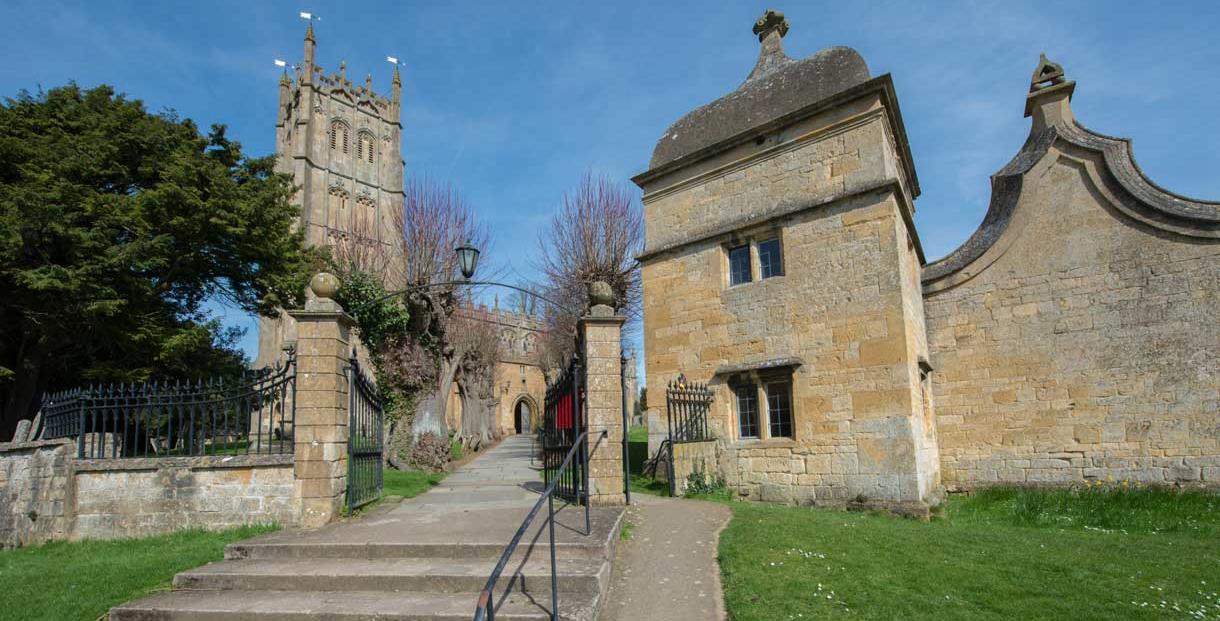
(199, 462)
(13, 447)
(764, 365)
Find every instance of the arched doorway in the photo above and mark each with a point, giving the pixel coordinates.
(522, 415)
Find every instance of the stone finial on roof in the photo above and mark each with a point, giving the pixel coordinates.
(1046, 74)
(309, 32)
(343, 70)
(771, 20)
(1049, 87)
(770, 28)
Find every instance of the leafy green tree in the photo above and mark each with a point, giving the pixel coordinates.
(116, 226)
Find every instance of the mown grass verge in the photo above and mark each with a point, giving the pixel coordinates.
(83, 579)
(408, 483)
(1001, 554)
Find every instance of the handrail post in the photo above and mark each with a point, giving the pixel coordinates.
(588, 496)
(554, 576)
(626, 430)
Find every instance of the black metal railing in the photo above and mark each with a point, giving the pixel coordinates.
(486, 609)
(364, 440)
(252, 415)
(687, 405)
(563, 422)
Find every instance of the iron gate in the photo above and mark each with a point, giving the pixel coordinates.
(564, 422)
(364, 439)
(687, 405)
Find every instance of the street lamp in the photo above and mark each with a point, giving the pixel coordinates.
(468, 258)
(468, 261)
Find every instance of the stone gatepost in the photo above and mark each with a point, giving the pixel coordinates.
(601, 332)
(323, 347)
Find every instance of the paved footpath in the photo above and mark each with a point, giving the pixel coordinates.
(668, 569)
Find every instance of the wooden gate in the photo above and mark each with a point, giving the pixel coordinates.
(364, 440)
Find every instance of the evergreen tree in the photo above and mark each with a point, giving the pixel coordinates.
(116, 226)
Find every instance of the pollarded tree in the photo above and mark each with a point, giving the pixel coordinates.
(434, 220)
(595, 235)
(116, 225)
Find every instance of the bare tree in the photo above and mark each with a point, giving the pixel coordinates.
(435, 220)
(595, 235)
(361, 250)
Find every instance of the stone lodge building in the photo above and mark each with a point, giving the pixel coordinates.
(1075, 336)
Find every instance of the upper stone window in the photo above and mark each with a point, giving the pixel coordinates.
(365, 147)
(739, 265)
(770, 261)
(339, 136)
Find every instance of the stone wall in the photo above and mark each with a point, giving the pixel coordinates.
(48, 494)
(1076, 336)
(35, 480)
(139, 497)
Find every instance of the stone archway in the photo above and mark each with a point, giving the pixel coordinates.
(525, 413)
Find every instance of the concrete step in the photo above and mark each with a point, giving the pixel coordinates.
(345, 606)
(441, 575)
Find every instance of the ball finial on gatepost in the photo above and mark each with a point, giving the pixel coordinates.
(601, 299)
(324, 287)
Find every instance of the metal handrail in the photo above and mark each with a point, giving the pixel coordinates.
(486, 607)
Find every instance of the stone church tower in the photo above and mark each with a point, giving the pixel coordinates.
(342, 144)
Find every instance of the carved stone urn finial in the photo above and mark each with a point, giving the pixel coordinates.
(770, 20)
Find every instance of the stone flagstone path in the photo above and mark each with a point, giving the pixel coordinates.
(424, 559)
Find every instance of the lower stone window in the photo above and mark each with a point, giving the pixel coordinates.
(764, 407)
(779, 409)
(747, 410)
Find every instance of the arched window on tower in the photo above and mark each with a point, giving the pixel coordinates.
(339, 136)
(365, 147)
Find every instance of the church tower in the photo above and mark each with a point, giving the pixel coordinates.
(342, 144)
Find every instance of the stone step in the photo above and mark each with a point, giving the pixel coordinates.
(345, 606)
(254, 550)
(443, 575)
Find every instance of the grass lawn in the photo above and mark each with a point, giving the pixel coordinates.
(82, 580)
(1001, 554)
(408, 483)
(637, 444)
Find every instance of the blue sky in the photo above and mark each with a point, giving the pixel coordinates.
(513, 101)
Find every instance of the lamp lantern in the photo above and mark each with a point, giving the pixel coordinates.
(468, 259)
